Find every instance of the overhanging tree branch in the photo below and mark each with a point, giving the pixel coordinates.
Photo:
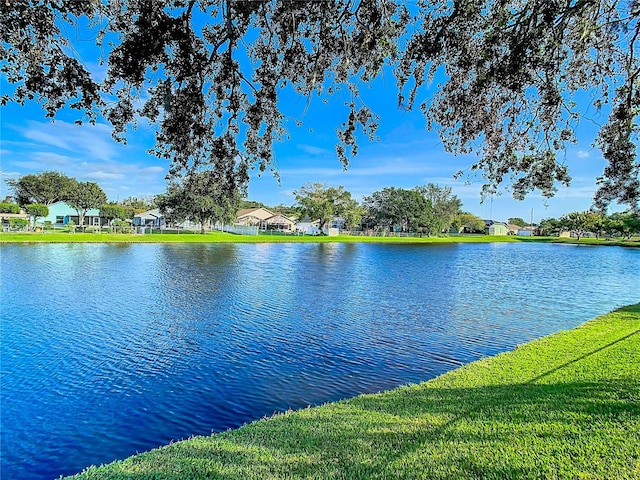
(501, 58)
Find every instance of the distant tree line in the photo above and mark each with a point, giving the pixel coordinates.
(203, 198)
(620, 224)
(429, 209)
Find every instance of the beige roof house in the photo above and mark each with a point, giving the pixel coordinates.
(512, 229)
(264, 218)
(254, 217)
(281, 222)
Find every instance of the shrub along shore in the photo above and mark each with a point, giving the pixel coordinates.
(221, 237)
(564, 406)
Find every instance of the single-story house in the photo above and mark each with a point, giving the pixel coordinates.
(254, 217)
(338, 222)
(264, 219)
(488, 223)
(498, 229)
(513, 229)
(61, 213)
(308, 228)
(155, 219)
(280, 222)
(151, 218)
(526, 232)
(332, 228)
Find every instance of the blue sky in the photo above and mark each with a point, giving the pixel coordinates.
(406, 155)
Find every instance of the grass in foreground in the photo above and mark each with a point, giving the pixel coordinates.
(221, 237)
(565, 406)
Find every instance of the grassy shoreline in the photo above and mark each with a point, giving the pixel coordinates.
(219, 237)
(564, 406)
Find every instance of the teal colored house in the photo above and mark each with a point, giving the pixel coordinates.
(61, 214)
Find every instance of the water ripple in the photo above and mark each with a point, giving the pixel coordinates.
(126, 347)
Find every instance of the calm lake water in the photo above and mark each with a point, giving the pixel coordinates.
(108, 350)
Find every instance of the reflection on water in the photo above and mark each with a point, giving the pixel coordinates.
(112, 349)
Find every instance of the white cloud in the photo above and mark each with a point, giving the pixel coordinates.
(287, 194)
(87, 153)
(153, 170)
(39, 161)
(46, 137)
(101, 175)
(378, 167)
(91, 141)
(28, 165)
(313, 150)
(397, 168)
(318, 172)
(98, 71)
(585, 192)
(582, 154)
(47, 159)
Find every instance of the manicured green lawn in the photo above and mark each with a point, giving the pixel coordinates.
(563, 407)
(220, 237)
(618, 242)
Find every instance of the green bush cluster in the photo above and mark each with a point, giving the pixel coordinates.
(18, 223)
(121, 226)
(9, 208)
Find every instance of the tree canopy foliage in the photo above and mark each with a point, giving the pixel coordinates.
(321, 202)
(139, 205)
(444, 206)
(498, 77)
(113, 211)
(624, 224)
(467, 222)
(37, 210)
(202, 197)
(428, 209)
(83, 196)
(42, 188)
(9, 208)
(394, 207)
(520, 222)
